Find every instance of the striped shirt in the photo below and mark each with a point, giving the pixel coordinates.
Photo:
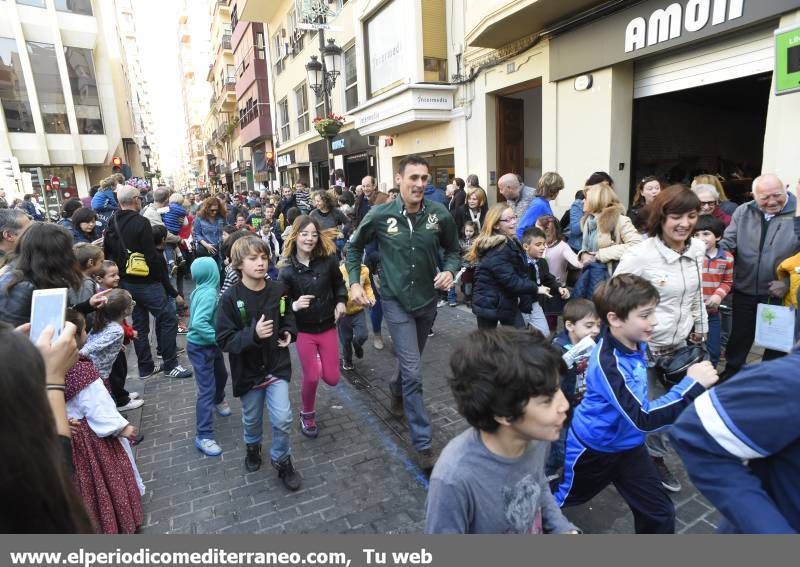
(717, 274)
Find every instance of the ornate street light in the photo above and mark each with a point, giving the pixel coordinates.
(330, 55)
(316, 76)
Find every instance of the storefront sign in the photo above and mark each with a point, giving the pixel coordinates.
(285, 160)
(337, 144)
(650, 27)
(787, 60)
(384, 45)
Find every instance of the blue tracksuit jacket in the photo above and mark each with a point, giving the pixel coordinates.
(615, 413)
(740, 442)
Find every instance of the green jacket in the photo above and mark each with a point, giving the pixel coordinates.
(203, 302)
(409, 250)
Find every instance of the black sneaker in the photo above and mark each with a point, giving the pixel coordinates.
(287, 473)
(252, 461)
(668, 480)
(157, 370)
(396, 407)
(358, 350)
(347, 364)
(426, 459)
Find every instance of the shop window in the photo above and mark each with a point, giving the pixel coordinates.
(283, 111)
(83, 7)
(48, 86)
(83, 84)
(13, 94)
(301, 98)
(350, 78)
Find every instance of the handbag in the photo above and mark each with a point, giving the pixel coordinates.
(135, 262)
(672, 367)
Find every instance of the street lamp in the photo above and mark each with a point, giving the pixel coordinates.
(322, 79)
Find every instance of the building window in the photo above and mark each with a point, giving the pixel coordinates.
(277, 52)
(48, 86)
(234, 17)
(13, 94)
(350, 78)
(320, 111)
(260, 51)
(301, 97)
(36, 3)
(42, 182)
(83, 7)
(84, 90)
(231, 79)
(295, 34)
(283, 111)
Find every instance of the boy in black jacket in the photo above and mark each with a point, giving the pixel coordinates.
(255, 325)
(534, 242)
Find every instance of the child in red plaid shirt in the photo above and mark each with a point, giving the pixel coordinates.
(717, 277)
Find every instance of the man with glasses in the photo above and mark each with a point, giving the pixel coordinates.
(130, 232)
(409, 232)
(760, 235)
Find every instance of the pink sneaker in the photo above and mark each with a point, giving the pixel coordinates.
(308, 425)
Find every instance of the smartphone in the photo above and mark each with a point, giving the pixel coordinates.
(49, 308)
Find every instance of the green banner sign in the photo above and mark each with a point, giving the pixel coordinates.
(787, 60)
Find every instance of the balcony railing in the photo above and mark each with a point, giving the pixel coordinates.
(247, 116)
(226, 41)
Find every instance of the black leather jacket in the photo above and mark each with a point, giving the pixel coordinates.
(322, 279)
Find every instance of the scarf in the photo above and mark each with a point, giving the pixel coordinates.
(590, 234)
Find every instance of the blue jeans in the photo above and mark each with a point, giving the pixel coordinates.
(276, 397)
(151, 299)
(352, 329)
(713, 343)
(409, 332)
(211, 376)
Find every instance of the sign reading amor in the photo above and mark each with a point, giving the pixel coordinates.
(668, 23)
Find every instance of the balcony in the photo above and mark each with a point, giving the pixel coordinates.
(225, 100)
(255, 124)
(257, 10)
(225, 43)
(221, 5)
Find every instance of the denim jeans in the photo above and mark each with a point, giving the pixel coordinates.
(276, 398)
(409, 332)
(211, 376)
(352, 329)
(713, 342)
(151, 299)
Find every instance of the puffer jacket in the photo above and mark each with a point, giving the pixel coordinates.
(759, 246)
(677, 277)
(612, 244)
(322, 279)
(500, 278)
(15, 304)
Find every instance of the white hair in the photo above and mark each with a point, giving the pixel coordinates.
(706, 188)
(764, 177)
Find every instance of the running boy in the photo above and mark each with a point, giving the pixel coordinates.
(352, 326)
(255, 324)
(533, 242)
(505, 383)
(204, 354)
(717, 277)
(605, 443)
(580, 321)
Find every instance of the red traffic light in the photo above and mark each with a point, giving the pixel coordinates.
(116, 161)
(269, 155)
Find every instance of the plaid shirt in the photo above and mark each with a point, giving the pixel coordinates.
(717, 274)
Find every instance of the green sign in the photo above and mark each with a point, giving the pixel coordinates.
(787, 60)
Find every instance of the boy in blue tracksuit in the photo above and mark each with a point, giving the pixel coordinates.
(605, 443)
(740, 443)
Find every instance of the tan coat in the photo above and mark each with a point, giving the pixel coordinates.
(616, 234)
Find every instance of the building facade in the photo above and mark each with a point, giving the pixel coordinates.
(63, 95)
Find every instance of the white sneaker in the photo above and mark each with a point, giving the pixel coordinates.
(377, 342)
(441, 303)
(223, 409)
(208, 447)
(131, 405)
(134, 395)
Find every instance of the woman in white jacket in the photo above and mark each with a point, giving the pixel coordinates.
(672, 261)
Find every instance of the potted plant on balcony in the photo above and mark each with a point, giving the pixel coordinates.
(329, 126)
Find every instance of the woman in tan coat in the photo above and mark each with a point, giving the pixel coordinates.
(607, 234)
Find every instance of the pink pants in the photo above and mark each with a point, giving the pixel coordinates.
(325, 367)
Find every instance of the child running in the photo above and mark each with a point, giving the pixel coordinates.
(255, 324)
(533, 243)
(490, 478)
(316, 287)
(105, 474)
(605, 443)
(204, 354)
(352, 326)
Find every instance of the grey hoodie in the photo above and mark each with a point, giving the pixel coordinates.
(755, 262)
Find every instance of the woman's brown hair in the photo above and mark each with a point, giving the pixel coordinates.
(203, 211)
(674, 200)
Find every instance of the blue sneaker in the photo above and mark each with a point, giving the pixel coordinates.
(208, 447)
(179, 372)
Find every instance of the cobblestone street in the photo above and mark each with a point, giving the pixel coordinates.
(359, 475)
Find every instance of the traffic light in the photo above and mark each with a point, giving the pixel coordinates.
(270, 156)
(116, 164)
(9, 168)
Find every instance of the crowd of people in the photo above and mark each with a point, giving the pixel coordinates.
(613, 324)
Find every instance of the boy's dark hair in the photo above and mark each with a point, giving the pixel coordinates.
(85, 252)
(159, 234)
(496, 372)
(711, 224)
(622, 294)
(291, 215)
(474, 226)
(107, 264)
(578, 308)
(412, 159)
(532, 232)
(77, 319)
(229, 229)
(228, 244)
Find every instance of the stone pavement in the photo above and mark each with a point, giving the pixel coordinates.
(359, 475)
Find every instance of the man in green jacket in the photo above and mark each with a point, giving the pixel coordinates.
(410, 232)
